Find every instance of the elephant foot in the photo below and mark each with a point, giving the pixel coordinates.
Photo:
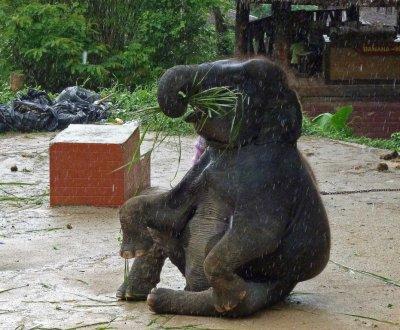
(166, 301)
(228, 294)
(130, 293)
(159, 301)
(143, 276)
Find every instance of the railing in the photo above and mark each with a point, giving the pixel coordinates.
(258, 32)
(261, 32)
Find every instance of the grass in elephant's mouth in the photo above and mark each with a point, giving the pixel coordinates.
(214, 102)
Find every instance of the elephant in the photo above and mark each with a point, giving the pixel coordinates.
(246, 223)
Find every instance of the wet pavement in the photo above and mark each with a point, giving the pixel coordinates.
(60, 268)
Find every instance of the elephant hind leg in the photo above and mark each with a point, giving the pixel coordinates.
(259, 296)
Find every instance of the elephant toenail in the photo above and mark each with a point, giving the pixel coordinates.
(127, 254)
(219, 309)
(120, 295)
(228, 307)
(242, 295)
(151, 301)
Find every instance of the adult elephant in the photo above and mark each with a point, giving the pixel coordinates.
(246, 223)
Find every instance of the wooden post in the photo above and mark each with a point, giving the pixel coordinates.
(281, 17)
(353, 13)
(242, 22)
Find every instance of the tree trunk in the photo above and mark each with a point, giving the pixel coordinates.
(281, 15)
(221, 28)
(242, 22)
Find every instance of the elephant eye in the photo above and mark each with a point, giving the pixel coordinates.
(249, 88)
(237, 79)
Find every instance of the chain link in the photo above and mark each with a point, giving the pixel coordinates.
(350, 192)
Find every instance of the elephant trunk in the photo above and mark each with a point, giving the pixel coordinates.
(175, 80)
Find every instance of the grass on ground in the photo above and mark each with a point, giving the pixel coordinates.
(391, 144)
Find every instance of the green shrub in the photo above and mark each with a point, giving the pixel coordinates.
(46, 42)
(6, 95)
(396, 137)
(129, 42)
(177, 31)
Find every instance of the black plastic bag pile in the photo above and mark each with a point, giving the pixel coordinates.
(35, 111)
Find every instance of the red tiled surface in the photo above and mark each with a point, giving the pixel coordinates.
(376, 119)
(91, 174)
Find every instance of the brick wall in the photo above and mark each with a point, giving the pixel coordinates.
(376, 119)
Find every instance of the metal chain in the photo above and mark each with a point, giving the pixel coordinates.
(349, 192)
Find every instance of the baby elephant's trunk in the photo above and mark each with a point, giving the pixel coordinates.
(172, 87)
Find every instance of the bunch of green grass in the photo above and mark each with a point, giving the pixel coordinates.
(211, 103)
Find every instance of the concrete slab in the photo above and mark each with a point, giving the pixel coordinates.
(92, 133)
(66, 278)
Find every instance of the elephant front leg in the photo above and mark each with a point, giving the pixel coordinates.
(143, 213)
(143, 276)
(146, 269)
(165, 213)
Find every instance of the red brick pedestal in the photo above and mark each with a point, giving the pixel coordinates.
(86, 161)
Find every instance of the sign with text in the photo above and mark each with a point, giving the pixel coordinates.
(386, 49)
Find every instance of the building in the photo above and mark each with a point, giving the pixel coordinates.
(335, 52)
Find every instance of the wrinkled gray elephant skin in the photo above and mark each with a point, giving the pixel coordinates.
(246, 223)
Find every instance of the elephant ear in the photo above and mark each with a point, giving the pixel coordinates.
(282, 119)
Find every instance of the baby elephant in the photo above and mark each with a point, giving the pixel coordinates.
(246, 223)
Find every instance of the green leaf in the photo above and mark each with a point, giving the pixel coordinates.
(324, 121)
(341, 117)
(334, 122)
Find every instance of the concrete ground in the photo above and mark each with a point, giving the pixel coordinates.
(55, 277)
